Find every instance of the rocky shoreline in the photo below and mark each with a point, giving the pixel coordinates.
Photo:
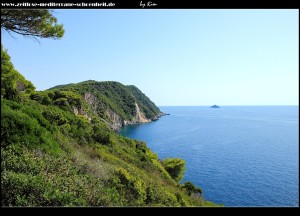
(116, 126)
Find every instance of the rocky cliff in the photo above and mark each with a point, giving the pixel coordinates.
(118, 105)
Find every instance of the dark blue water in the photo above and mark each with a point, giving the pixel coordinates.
(239, 156)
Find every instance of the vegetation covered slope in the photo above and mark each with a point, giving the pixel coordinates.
(56, 151)
(114, 102)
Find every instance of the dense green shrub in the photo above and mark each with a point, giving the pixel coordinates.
(191, 188)
(41, 97)
(133, 188)
(101, 136)
(175, 167)
(55, 116)
(12, 82)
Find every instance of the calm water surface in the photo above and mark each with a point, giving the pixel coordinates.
(239, 156)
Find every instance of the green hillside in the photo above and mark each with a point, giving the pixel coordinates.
(114, 102)
(59, 148)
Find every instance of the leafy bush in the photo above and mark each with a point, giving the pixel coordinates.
(12, 82)
(101, 136)
(133, 188)
(54, 116)
(191, 188)
(175, 167)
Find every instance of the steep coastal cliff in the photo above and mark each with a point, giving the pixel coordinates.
(118, 105)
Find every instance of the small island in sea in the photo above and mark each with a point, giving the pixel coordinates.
(214, 106)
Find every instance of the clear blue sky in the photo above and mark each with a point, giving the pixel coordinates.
(176, 57)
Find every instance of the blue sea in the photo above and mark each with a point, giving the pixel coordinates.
(238, 155)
